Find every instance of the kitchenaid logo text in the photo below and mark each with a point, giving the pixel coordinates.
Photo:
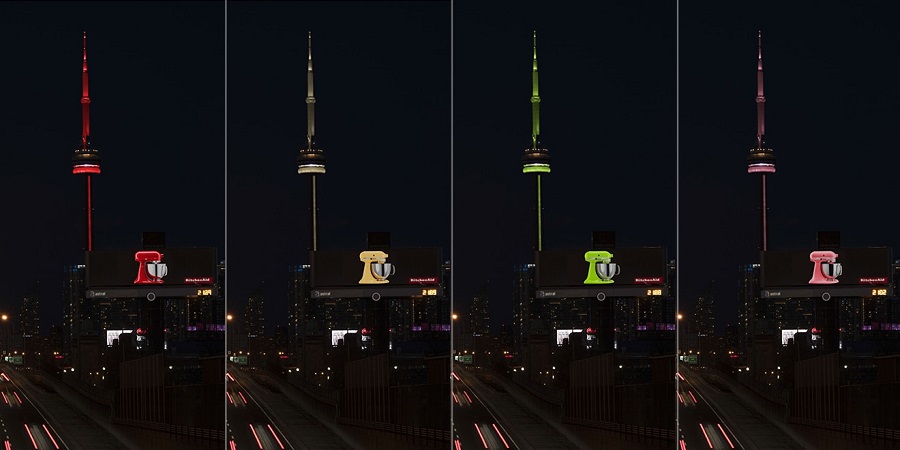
(648, 280)
(198, 280)
(423, 280)
(873, 280)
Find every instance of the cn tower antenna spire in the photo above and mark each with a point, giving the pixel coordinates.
(85, 97)
(760, 97)
(310, 98)
(535, 98)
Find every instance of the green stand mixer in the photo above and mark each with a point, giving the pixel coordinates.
(601, 269)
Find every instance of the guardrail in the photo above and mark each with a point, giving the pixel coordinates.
(200, 433)
(97, 394)
(651, 432)
(874, 432)
(427, 433)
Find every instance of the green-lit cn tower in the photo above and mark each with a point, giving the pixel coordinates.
(536, 159)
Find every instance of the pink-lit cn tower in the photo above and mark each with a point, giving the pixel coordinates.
(761, 159)
(86, 159)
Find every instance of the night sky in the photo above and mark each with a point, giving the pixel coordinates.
(832, 105)
(157, 87)
(382, 88)
(607, 87)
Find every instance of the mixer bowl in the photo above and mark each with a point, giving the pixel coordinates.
(607, 270)
(157, 270)
(383, 270)
(831, 270)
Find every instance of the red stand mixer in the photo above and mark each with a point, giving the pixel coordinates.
(151, 269)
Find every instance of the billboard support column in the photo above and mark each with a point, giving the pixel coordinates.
(378, 320)
(155, 324)
(602, 322)
(830, 334)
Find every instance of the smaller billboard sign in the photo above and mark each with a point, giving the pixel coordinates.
(337, 335)
(112, 335)
(562, 335)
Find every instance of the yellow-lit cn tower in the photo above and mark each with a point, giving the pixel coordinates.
(311, 159)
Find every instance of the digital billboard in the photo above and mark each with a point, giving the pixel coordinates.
(148, 268)
(622, 266)
(839, 267)
(390, 267)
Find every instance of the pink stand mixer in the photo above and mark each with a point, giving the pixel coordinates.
(826, 269)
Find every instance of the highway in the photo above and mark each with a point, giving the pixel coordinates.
(701, 427)
(21, 424)
(475, 427)
(248, 426)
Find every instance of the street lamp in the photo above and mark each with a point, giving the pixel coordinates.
(229, 341)
(679, 332)
(454, 332)
(6, 334)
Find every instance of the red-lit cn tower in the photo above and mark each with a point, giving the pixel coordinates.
(311, 159)
(86, 159)
(761, 159)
